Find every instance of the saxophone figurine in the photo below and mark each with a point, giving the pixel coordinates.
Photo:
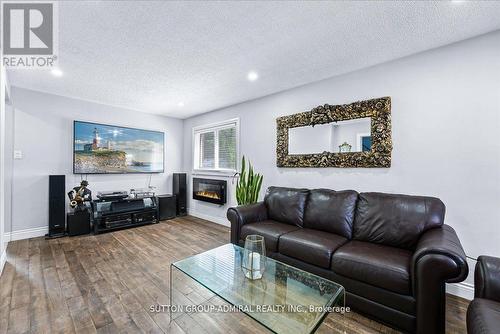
(79, 195)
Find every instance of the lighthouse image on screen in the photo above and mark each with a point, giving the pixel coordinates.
(101, 149)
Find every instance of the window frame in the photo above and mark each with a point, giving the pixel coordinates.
(215, 127)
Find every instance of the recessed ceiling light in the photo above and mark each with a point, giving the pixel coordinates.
(180, 104)
(252, 76)
(56, 72)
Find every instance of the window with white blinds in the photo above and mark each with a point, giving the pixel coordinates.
(216, 146)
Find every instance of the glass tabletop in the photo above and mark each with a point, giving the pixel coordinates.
(285, 299)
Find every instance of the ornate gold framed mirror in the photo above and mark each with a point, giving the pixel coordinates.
(349, 135)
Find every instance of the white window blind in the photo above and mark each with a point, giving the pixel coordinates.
(207, 150)
(216, 147)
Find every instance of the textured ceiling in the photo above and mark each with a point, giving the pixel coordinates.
(151, 55)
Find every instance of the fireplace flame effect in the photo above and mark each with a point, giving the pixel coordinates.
(209, 194)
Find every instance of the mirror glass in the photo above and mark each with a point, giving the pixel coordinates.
(337, 137)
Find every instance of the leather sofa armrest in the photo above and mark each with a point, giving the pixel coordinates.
(487, 278)
(441, 241)
(438, 259)
(245, 214)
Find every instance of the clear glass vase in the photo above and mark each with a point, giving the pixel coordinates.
(254, 257)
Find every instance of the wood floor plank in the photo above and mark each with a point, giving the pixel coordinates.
(60, 318)
(107, 283)
(163, 321)
(19, 320)
(6, 284)
(21, 288)
(82, 320)
(19, 317)
(39, 308)
(144, 321)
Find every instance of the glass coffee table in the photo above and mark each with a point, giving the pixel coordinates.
(284, 300)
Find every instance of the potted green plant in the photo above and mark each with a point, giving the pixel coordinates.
(248, 185)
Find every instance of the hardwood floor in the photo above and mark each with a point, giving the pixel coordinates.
(107, 283)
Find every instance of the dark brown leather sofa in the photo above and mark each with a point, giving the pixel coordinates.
(483, 313)
(392, 253)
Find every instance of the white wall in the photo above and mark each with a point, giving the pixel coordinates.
(445, 105)
(4, 91)
(43, 131)
(8, 164)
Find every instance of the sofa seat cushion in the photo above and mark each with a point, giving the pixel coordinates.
(311, 246)
(381, 266)
(483, 316)
(271, 231)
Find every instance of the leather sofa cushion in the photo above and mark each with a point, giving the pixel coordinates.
(381, 266)
(396, 220)
(331, 211)
(311, 246)
(401, 303)
(483, 316)
(286, 205)
(270, 230)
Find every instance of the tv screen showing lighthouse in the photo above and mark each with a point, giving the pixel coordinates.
(107, 149)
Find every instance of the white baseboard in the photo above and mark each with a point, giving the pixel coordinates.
(464, 290)
(26, 234)
(214, 219)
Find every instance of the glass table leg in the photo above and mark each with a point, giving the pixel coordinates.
(171, 292)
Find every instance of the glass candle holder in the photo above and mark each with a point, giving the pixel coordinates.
(254, 257)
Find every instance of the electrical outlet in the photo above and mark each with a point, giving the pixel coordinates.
(18, 155)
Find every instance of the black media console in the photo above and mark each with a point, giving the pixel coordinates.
(113, 214)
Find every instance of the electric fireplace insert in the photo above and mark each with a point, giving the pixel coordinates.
(209, 190)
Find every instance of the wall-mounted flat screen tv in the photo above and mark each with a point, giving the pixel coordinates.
(109, 149)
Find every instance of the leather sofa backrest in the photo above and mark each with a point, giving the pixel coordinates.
(331, 211)
(396, 220)
(286, 205)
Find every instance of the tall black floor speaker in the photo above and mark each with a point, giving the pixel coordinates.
(179, 189)
(57, 206)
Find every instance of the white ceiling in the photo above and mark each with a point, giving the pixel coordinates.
(151, 55)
